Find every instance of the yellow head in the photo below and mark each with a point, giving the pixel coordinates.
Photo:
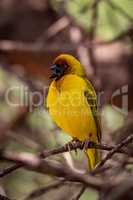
(66, 64)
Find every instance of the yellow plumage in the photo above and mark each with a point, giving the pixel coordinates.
(69, 102)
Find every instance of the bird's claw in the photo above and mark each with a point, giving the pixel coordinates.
(70, 145)
(86, 144)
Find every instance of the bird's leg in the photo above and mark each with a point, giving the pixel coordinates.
(71, 144)
(86, 143)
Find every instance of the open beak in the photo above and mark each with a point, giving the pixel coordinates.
(57, 71)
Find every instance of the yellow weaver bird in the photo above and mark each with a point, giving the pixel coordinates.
(72, 103)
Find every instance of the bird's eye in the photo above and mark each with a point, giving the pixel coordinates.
(65, 66)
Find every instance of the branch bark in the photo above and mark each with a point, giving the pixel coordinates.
(77, 145)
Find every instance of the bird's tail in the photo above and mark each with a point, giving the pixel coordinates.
(93, 157)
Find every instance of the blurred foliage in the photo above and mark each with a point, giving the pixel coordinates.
(112, 15)
(89, 194)
(19, 184)
(113, 118)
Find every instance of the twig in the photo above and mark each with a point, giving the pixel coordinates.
(100, 170)
(94, 19)
(41, 191)
(125, 142)
(35, 163)
(54, 168)
(91, 50)
(77, 39)
(34, 47)
(8, 170)
(82, 190)
(55, 28)
(78, 145)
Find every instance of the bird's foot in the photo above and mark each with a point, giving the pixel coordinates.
(70, 145)
(86, 143)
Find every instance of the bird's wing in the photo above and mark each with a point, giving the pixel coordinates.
(90, 94)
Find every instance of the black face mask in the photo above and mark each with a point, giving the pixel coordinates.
(57, 71)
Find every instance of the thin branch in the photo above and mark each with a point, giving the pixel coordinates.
(94, 19)
(100, 170)
(8, 170)
(80, 145)
(125, 142)
(82, 190)
(34, 47)
(41, 191)
(91, 50)
(77, 145)
(54, 168)
(55, 28)
(39, 47)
